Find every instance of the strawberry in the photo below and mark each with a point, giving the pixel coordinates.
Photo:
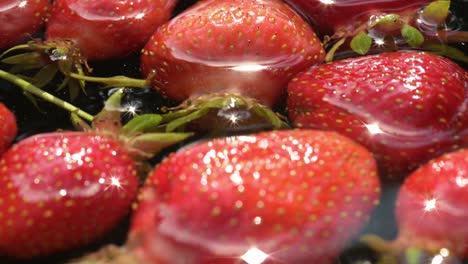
(63, 190)
(330, 16)
(431, 210)
(84, 189)
(247, 47)
(437, 193)
(378, 26)
(291, 196)
(227, 60)
(406, 107)
(19, 20)
(8, 128)
(106, 29)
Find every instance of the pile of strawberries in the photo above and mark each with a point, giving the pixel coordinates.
(263, 131)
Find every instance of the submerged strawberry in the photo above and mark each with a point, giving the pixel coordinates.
(63, 190)
(330, 16)
(432, 210)
(406, 107)
(107, 29)
(273, 197)
(80, 31)
(8, 128)
(226, 60)
(433, 201)
(248, 47)
(20, 19)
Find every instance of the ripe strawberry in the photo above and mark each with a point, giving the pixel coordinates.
(431, 209)
(8, 128)
(434, 200)
(63, 190)
(330, 16)
(107, 29)
(247, 47)
(297, 196)
(19, 20)
(406, 107)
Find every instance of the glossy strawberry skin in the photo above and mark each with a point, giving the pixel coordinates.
(406, 107)
(107, 29)
(339, 15)
(298, 195)
(19, 20)
(61, 191)
(8, 128)
(216, 46)
(432, 206)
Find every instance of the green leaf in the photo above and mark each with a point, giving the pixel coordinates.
(447, 51)
(388, 23)
(173, 125)
(437, 12)
(412, 36)
(361, 43)
(15, 48)
(24, 58)
(17, 68)
(141, 124)
(74, 89)
(150, 144)
(45, 75)
(270, 116)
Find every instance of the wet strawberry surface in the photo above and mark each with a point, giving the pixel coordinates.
(44, 117)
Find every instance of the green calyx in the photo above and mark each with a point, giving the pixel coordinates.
(387, 24)
(142, 136)
(48, 58)
(223, 113)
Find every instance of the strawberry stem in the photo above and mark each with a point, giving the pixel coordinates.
(116, 81)
(30, 88)
(379, 245)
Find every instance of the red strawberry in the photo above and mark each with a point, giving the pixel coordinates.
(296, 196)
(247, 47)
(63, 190)
(104, 29)
(434, 200)
(8, 128)
(330, 16)
(431, 209)
(406, 107)
(20, 19)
